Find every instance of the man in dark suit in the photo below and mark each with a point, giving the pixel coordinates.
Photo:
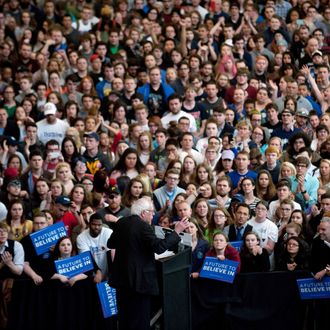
(320, 256)
(133, 271)
(236, 231)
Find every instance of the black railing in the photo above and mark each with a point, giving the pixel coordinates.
(255, 301)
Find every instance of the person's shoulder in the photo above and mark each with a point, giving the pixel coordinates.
(252, 173)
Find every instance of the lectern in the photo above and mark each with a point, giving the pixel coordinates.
(174, 283)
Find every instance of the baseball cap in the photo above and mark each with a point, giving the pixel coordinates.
(11, 141)
(302, 112)
(10, 173)
(49, 109)
(114, 190)
(227, 154)
(79, 159)
(229, 42)
(22, 68)
(92, 135)
(94, 57)
(317, 52)
(14, 182)
(63, 200)
(288, 111)
(238, 198)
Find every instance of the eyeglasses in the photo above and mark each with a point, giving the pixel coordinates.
(87, 183)
(220, 216)
(261, 209)
(150, 211)
(171, 178)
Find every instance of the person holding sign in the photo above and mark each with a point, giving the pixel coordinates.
(222, 250)
(36, 266)
(134, 267)
(64, 250)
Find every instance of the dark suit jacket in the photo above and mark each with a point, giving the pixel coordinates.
(232, 232)
(134, 266)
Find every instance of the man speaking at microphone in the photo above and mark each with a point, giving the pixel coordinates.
(133, 271)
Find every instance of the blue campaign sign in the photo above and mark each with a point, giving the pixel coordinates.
(237, 245)
(45, 238)
(219, 270)
(310, 288)
(75, 265)
(108, 300)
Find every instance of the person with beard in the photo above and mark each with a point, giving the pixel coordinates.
(223, 188)
(115, 210)
(95, 239)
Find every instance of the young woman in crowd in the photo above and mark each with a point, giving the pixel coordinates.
(202, 212)
(128, 164)
(18, 225)
(133, 191)
(222, 250)
(219, 219)
(64, 175)
(265, 188)
(144, 147)
(294, 256)
(64, 250)
(254, 258)
(199, 247)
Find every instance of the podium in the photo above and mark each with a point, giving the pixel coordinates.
(174, 282)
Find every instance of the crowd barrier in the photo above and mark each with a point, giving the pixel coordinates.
(255, 301)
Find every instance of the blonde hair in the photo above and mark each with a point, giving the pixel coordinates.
(74, 133)
(290, 166)
(59, 166)
(242, 123)
(145, 182)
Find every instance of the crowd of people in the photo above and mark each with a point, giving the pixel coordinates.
(216, 111)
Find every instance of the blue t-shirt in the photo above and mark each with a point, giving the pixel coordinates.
(235, 176)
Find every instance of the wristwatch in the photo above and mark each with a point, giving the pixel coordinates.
(304, 192)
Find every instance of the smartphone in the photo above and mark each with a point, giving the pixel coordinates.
(54, 155)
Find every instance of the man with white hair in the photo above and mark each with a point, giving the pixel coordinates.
(134, 270)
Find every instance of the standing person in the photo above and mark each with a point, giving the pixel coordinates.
(95, 239)
(11, 265)
(164, 196)
(242, 171)
(156, 93)
(51, 127)
(134, 270)
(236, 231)
(266, 229)
(320, 258)
(95, 160)
(36, 266)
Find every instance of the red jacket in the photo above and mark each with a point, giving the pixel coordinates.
(230, 254)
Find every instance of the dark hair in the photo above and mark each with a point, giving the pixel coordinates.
(244, 205)
(11, 203)
(121, 165)
(75, 152)
(56, 252)
(299, 135)
(271, 190)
